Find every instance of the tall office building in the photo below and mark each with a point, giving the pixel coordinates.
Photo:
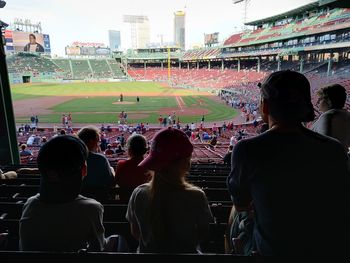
(179, 29)
(139, 30)
(114, 39)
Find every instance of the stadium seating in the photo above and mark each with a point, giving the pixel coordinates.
(100, 68)
(81, 69)
(30, 63)
(13, 194)
(65, 66)
(116, 69)
(197, 78)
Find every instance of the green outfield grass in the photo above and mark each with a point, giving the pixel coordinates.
(102, 88)
(105, 104)
(91, 102)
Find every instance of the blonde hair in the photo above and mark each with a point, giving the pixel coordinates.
(163, 184)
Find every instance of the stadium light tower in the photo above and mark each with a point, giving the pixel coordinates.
(245, 10)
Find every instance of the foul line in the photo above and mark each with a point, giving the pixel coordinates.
(180, 103)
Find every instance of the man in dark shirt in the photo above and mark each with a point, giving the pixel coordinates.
(100, 176)
(295, 179)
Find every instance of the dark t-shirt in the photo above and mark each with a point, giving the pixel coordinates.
(99, 173)
(298, 184)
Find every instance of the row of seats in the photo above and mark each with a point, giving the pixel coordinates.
(14, 192)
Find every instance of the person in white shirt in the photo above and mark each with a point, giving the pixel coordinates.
(335, 119)
(169, 215)
(58, 218)
(30, 140)
(193, 126)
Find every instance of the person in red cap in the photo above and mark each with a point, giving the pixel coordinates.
(169, 215)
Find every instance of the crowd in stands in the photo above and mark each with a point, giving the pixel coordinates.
(30, 63)
(281, 182)
(65, 68)
(314, 23)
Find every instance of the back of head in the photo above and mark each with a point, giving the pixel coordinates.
(168, 145)
(88, 134)
(60, 162)
(288, 96)
(335, 95)
(137, 145)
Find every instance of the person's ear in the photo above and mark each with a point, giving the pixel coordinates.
(84, 170)
(264, 107)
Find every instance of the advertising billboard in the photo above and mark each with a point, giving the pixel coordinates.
(18, 41)
(87, 50)
(211, 38)
(72, 51)
(103, 51)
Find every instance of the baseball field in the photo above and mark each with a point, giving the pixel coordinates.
(100, 102)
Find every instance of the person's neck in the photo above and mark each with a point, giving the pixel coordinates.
(285, 127)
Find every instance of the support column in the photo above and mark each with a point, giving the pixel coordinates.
(222, 65)
(259, 64)
(188, 65)
(145, 65)
(239, 65)
(179, 64)
(279, 60)
(9, 153)
(197, 64)
(301, 64)
(162, 65)
(209, 64)
(330, 63)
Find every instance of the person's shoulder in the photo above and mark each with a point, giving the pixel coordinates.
(142, 190)
(97, 156)
(323, 141)
(318, 136)
(122, 162)
(32, 203)
(195, 191)
(87, 202)
(32, 200)
(251, 141)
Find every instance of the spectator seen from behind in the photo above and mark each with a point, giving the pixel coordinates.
(169, 215)
(128, 174)
(292, 176)
(24, 151)
(335, 119)
(100, 177)
(58, 218)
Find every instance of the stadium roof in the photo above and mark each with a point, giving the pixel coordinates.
(284, 15)
(335, 3)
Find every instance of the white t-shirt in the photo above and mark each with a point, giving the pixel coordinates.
(193, 126)
(32, 47)
(61, 227)
(232, 140)
(30, 140)
(336, 124)
(188, 218)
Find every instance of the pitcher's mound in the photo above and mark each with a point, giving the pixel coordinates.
(123, 103)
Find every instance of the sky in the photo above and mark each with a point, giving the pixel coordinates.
(67, 21)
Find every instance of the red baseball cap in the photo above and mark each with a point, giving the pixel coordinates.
(168, 145)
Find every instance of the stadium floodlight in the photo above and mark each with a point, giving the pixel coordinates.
(2, 4)
(237, 1)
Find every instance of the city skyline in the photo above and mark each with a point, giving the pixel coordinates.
(67, 21)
